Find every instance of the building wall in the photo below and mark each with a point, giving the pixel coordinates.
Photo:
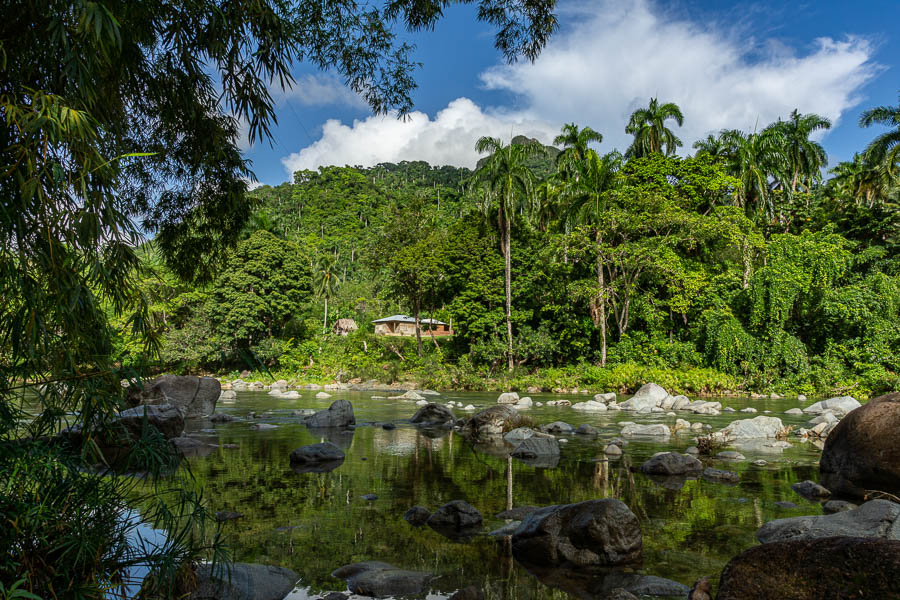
(409, 329)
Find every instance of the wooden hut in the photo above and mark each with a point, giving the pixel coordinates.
(404, 325)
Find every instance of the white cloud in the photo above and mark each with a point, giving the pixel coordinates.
(597, 71)
(616, 57)
(449, 138)
(320, 90)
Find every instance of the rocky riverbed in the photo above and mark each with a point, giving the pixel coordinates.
(442, 493)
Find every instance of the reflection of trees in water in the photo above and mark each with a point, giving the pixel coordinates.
(322, 522)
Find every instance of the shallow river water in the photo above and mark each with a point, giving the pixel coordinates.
(314, 523)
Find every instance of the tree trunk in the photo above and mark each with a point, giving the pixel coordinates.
(508, 273)
(418, 331)
(601, 284)
(748, 264)
(325, 322)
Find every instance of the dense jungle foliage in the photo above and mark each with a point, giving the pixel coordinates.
(737, 266)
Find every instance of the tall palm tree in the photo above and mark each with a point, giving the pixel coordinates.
(648, 126)
(509, 185)
(806, 157)
(326, 281)
(575, 143)
(885, 148)
(587, 195)
(754, 158)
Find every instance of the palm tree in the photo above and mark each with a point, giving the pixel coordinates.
(326, 278)
(509, 185)
(712, 146)
(575, 143)
(885, 148)
(754, 158)
(587, 194)
(648, 126)
(806, 157)
(865, 182)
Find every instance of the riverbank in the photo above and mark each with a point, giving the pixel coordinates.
(576, 379)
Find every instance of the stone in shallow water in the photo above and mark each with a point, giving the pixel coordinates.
(730, 455)
(613, 450)
(586, 429)
(596, 533)
(874, 519)
(718, 475)
(373, 578)
(786, 504)
(810, 490)
(833, 506)
(417, 516)
(455, 518)
(243, 581)
(671, 463)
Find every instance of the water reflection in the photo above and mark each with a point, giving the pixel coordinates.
(314, 522)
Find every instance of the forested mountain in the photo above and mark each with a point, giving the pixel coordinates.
(738, 263)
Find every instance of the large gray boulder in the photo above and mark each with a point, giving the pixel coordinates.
(433, 415)
(874, 519)
(862, 452)
(168, 419)
(508, 398)
(813, 569)
(378, 579)
(671, 463)
(649, 396)
(339, 414)
(244, 581)
(839, 406)
(194, 396)
(597, 533)
(761, 427)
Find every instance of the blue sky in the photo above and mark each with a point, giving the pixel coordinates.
(726, 64)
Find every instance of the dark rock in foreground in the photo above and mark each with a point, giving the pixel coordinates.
(417, 516)
(194, 396)
(862, 452)
(835, 567)
(455, 518)
(597, 533)
(874, 519)
(244, 582)
(339, 414)
(434, 415)
(537, 447)
(608, 584)
(373, 578)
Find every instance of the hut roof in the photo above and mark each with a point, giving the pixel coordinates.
(408, 319)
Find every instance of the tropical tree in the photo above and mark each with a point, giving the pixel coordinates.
(508, 185)
(805, 157)
(648, 126)
(712, 146)
(754, 158)
(885, 148)
(867, 183)
(326, 280)
(575, 143)
(586, 194)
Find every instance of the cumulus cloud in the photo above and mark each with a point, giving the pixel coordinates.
(610, 62)
(449, 138)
